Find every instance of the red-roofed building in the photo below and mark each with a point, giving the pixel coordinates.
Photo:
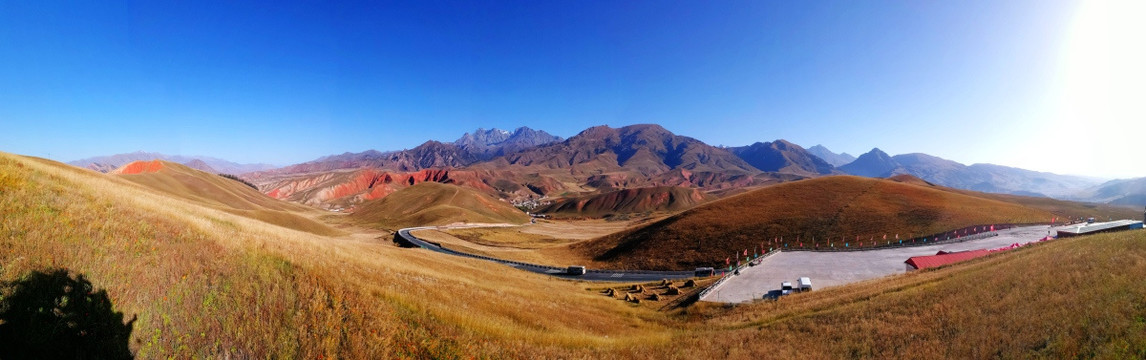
(943, 258)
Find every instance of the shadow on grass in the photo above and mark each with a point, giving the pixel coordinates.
(53, 315)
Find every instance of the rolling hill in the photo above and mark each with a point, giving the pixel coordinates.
(627, 201)
(835, 207)
(220, 193)
(431, 203)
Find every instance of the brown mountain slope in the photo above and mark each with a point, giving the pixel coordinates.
(783, 157)
(220, 193)
(344, 188)
(637, 155)
(839, 207)
(627, 201)
(432, 203)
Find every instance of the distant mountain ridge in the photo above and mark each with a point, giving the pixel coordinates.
(874, 163)
(1130, 192)
(496, 142)
(978, 177)
(645, 148)
(783, 157)
(108, 163)
(836, 160)
(471, 148)
(527, 164)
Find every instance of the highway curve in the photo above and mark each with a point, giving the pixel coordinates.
(405, 236)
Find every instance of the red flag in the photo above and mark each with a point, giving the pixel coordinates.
(885, 236)
(727, 261)
(746, 252)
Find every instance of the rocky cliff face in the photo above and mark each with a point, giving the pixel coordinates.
(487, 144)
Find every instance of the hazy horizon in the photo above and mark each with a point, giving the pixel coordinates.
(1045, 86)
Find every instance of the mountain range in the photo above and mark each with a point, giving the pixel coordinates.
(836, 160)
(106, 164)
(783, 157)
(979, 177)
(526, 164)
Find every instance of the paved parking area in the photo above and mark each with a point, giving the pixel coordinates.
(838, 268)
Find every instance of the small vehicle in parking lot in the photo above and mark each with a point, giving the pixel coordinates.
(785, 288)
(805, 284)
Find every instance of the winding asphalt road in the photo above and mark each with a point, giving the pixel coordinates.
(559, 272)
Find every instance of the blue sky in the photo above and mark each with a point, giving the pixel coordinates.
(279, 82)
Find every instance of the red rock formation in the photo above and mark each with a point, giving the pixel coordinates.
(140, 167)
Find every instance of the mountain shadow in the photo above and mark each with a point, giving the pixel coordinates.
(53, 315)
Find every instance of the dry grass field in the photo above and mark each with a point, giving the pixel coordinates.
(221, 193)
(207, 283)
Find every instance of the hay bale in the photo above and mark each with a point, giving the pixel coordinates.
(665, 282)
(690, 283)
(673, 290)
(611, 292)
(655, 297)
(638, 288)
(630, 297)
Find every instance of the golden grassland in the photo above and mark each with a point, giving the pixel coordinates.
(228, 195)
(207, 283)
(816, 211)
(431, 203)
(204, 282)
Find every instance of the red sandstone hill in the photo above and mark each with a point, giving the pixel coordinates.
(343, 188)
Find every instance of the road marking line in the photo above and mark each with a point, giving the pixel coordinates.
(616, 275)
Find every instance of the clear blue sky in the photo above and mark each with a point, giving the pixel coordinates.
(283, 82)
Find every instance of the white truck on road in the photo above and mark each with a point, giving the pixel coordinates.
(805, 284)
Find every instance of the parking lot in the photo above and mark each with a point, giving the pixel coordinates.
(838, 268)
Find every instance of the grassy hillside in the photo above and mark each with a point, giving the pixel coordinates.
(436, 204)
(836, 207)
(628, 201)
(206, 283)
(220, 193)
